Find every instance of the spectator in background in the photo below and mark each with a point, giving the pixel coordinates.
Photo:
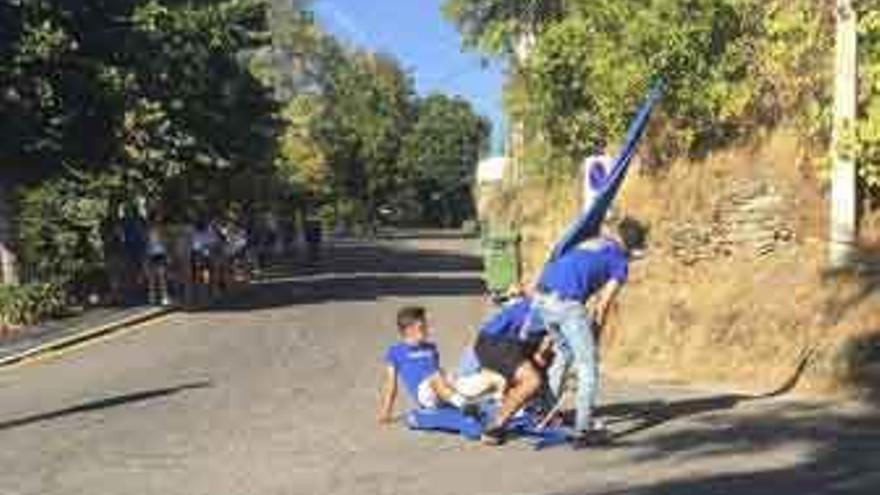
(259, 238)
(134, 238)
(156, 266)
(313, 236)
(235, 249)
(204, 243)
(231, 250)
(273, 235)
(115, 259)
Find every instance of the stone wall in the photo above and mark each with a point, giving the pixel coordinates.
(751, 218)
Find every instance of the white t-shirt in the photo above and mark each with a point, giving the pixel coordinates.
(155, 245)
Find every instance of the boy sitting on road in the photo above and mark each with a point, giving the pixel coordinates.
(416, 360)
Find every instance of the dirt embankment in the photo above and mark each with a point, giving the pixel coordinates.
(734, 288)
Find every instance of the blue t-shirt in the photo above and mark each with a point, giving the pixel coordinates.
(510, 322)
(414, 363)
(134, 235)
(581, 272)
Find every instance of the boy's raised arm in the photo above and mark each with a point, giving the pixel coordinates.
(388, 395)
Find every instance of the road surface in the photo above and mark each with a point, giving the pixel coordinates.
(274, 392)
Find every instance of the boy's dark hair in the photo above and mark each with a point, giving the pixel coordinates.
(632, 233)
(408, 315)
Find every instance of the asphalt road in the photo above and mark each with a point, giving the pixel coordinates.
(274, 392)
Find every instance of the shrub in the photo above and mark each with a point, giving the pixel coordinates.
(59, 229)
(30, 303)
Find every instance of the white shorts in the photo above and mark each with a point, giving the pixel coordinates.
(470, 386)
(426, 397)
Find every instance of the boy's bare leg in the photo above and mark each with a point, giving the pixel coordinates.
(481, 383)
(526, 383)
(444, 390)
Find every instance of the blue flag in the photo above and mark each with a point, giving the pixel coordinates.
(590, 221)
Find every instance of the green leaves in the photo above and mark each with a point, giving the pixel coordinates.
(732, 68)
(347, 133)
(60, 227)
(438, 159)
(359, 140)
(868, 126)
(496, 26)
(29, 304)
(140, 98)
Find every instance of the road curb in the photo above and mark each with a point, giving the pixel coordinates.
(84, 335)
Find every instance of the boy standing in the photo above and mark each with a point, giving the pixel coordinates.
(417, 362)
(594, 272)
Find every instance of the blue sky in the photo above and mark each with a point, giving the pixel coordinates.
(426, 44)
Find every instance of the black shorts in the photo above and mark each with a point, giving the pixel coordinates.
(200, 260)
(158, 259)
(503, 356)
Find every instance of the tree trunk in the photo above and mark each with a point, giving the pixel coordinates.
(8, 273)
(843, 176)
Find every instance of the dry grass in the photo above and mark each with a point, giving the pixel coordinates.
(738, 319)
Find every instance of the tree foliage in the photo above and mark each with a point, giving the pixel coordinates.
(438, 159)
(352, 133)
(497, 26)
(102, 102)
(732, 69)
(192, 105)
(141, 88)
(868, 127)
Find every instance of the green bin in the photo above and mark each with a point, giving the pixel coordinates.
(500, 260)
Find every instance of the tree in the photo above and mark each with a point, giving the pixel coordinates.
(500, 27)
(731, 68)
(868, 128)
(146, 89)
(349, 123)
(136, 98)
(384, 118)
(439, 157)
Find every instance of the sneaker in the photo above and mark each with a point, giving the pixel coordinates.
(593, 437)
(493, 436)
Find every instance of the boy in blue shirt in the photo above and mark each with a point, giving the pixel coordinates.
(416, 361)
(515, 350)
(594, 272)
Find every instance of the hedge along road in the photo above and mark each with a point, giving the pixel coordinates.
(275, 392)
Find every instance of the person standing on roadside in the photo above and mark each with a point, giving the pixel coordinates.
(157, 263)
(134, 240)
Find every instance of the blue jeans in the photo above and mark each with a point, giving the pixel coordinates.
(575, 345)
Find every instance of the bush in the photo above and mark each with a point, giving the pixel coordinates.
(60, 229)
(30, 303)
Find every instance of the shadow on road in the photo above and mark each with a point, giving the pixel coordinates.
(841, 454)
(347, 288)
(649, 414)
(365, 257)
(359, 273)
(106, 403)
(839, 446)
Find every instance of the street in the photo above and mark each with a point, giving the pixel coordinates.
(274, 392)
